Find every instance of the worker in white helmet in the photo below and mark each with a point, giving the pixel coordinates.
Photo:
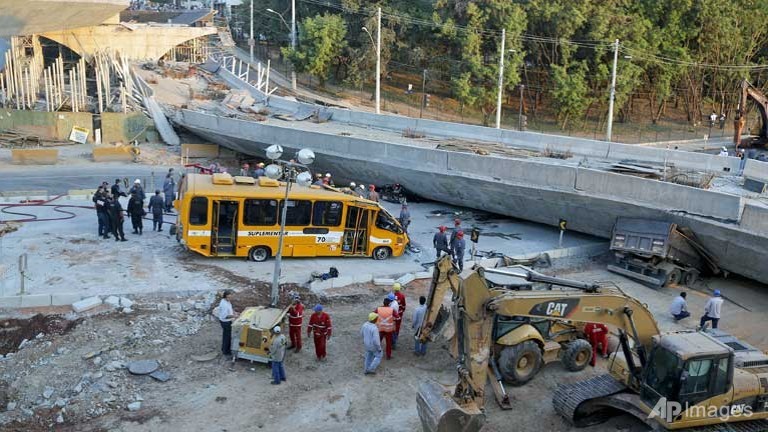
(138, 190)
(277, 355)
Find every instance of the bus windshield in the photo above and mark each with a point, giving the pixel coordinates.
(385, 221)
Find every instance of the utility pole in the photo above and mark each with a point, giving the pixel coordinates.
(293, 41)
(501, 78)
(378, 62)
(251, 42)
(520, 113)
(609, 129)
(423, 93)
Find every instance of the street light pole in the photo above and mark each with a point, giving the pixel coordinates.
(423, 93)
(378, 62)
(251, 42)
(293, 41)
(279, 257)
(501, 78)
(609, 129)
(520, 113)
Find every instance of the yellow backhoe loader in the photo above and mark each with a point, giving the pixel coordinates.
(521, 345)
(705, 380)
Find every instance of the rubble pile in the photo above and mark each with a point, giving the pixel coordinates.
(85, 374)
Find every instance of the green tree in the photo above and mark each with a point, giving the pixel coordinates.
(570, 92)
(322, 41)
(466, 26)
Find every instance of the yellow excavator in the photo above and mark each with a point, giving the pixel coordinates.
(521, 345)
(705, 380)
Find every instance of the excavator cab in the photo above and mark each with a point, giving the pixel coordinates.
(686, 369)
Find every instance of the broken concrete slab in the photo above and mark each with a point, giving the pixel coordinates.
(362, 277)
(342, 281)
(320, 285)
(65, 299)
(406, 279)
(133, 406)
(205, 357)
(35, 300)
(383, 281)
(86, 304)
(126, 302)
(161, 376)
(10, 302)
(423, 275)
(143, 367)
(113, 301)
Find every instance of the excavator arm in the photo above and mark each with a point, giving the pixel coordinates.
(748, 91)
(475, 307)
(436, 319)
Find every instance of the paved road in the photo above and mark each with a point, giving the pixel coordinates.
(60, 179)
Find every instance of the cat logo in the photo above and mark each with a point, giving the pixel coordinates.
(557, 309)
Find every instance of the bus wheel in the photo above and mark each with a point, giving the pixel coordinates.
(259, 253)
(382, 253)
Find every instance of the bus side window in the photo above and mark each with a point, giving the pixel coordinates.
(198, 211)
(299, 212)
(260, 212)
(327, 213)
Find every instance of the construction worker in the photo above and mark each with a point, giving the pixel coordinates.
(458, 245)
(712, 310)
(400, 299)
(386, 323)
(351, 189)
(259, 171)
(320, 325)
(115, 190)
(116, 218)
(327, 179)
(597, 334)
(100, 202)
(169, 190)
(360, 191)
(456, 229)
(136, 188)
(295, 320)
(372, 194)
(405, 217)
(419, 348)
(245, 170)
(156, 205)
(372, 344)
(136, 211)
(277, 355)
(440, 242)
(318, 180)
(679, 307)
(226, 315)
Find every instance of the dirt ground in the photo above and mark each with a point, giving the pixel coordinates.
(86, 394)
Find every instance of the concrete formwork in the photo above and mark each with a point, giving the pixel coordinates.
(541, 192)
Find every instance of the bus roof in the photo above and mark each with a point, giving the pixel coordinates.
(264, 187)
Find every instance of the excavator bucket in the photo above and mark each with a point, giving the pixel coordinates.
(440, 413)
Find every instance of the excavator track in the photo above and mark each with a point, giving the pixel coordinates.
(569, 399)
(593, 401)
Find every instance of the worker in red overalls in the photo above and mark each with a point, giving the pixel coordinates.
(400, 299)
(320, 324)
(295, 320)
(597, 334)
(386, 322)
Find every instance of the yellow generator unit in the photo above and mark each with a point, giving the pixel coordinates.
(251, 335)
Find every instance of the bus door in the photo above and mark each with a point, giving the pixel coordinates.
(224, 227)
(355, 240)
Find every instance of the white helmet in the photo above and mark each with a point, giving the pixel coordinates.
(276, 329)
(137, 181)
(352, 185)
(327, 174)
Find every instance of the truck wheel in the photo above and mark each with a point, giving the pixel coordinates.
(577, 355)
(674, 277)
(690, 278)
(259, 253)
(519, 363)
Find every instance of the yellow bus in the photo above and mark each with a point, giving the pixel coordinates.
(222, 215)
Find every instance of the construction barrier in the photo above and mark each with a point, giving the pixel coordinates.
(112, 154)
(199, 151)
(35, 156)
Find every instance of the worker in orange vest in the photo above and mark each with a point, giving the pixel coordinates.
(400, 299)
(320, 324)
(597, 334)
(295, 320)
(386, 323)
